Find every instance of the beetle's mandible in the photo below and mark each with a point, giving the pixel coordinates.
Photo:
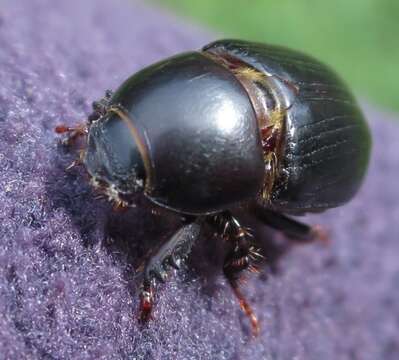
(237, 124)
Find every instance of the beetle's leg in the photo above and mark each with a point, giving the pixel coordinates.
(294, 229)
(73, 133)
(99, 107)
(169, 255)
(238, 259)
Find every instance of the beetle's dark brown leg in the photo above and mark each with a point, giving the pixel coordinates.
(294, 229)
(238, 259)
(169, 255)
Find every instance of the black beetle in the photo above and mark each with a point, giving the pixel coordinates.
(237, 124)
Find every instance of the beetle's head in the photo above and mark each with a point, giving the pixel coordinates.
(113, 160)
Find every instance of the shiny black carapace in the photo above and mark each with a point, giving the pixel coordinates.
(237, 124)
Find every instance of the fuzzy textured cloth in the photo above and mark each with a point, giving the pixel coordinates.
(68, 286)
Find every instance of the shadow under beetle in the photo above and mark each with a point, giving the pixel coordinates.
(237, 124)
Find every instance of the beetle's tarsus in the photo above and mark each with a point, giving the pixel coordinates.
(320, 234)
(246, 307)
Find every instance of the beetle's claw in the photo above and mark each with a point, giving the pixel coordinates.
(320, 234)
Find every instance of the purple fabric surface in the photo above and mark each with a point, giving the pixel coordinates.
(68, 288)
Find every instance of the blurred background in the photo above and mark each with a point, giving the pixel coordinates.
(358, 38)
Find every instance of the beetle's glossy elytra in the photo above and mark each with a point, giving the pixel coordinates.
(325, 140)
(236, 124)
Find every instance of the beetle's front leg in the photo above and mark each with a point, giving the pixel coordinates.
(238, 259)
(73, 132)
(169, 255)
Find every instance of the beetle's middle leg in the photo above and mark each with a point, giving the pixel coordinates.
(170, 254)
(238, 259)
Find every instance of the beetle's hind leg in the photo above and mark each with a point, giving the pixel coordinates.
(238, 259)
(169, 255)
(295, 230)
